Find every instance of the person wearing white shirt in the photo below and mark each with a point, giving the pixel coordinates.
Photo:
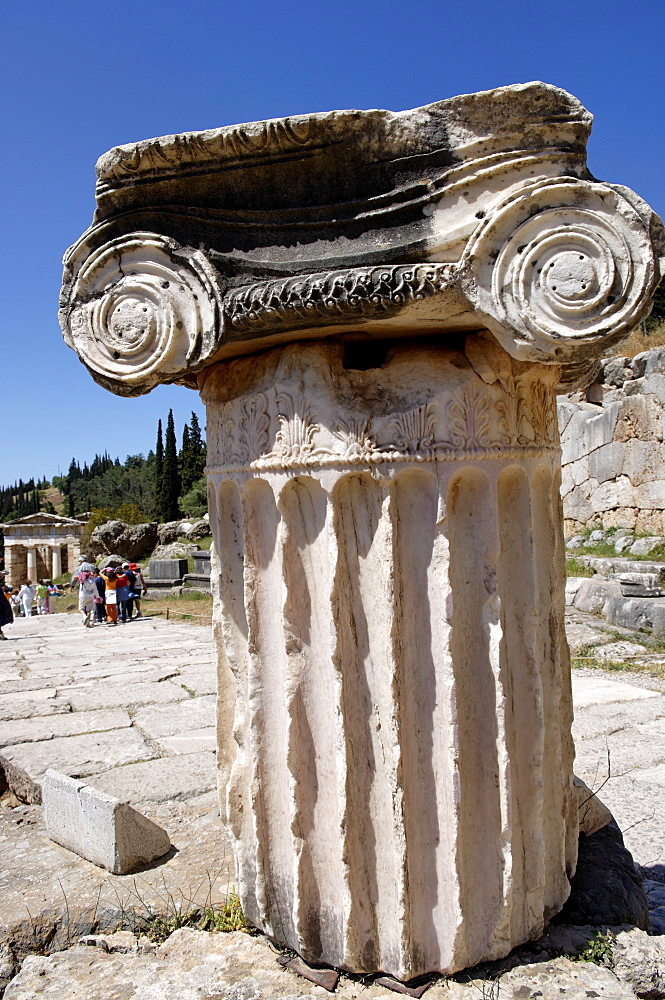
(26, 596)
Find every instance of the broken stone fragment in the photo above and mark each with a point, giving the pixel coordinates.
(640, 585)
(99, 827)
(593, 813)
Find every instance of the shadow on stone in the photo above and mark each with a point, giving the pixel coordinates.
(606, 888)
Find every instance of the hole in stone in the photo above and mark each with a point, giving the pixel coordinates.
(610, 299)
(554, 288)
(165, 284)
(581, 257)
(115, 355)
(363, 355)
(480, 215)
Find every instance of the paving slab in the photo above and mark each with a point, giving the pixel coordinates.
(581, 635)
(622, 751)
(24, 708)
(597, 720)
(69, 724)
(184, 716)
(191, 742)
(601, 691)
(651, 775)
(36, 694)
(137, 693)
(200, 680)
(50, 895)
(77, 756)
(161, 780)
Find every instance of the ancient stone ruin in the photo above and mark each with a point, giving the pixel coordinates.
(42, 545)
(377, 309)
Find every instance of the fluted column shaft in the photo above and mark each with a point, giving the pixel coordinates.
(394, 722)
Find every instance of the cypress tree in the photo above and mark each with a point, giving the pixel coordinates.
(185, 460)
(197, 448)
(171, 477)
(159, 476)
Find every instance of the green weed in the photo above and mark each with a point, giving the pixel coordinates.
(575, 567)
(598, 950)
(221, 919)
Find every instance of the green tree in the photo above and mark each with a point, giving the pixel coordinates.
(158, 507)
(197, 447)
(185, 461)
(192, 455)
(171, 476)
(194, 503)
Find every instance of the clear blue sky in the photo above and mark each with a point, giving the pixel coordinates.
(80, 76)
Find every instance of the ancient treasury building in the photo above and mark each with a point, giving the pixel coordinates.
(42, 545)
(377, 309)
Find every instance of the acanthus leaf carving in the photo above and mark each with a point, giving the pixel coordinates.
(415, 429)
(254, 430)
(474, 423)
(536, 412)
(356, 438)
(294, 440)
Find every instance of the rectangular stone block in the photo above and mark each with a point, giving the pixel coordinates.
(167, 569)
(650, 495)
(99, 827)
(202, 563)
(607, 462)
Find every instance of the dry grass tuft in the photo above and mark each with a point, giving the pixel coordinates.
(636, 342)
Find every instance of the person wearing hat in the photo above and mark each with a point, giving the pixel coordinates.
(137, 588)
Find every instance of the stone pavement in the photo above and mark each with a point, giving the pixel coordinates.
(619, 733)
(131, 709)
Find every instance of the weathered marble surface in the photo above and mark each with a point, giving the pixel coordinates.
(394, 707)
(377, 309)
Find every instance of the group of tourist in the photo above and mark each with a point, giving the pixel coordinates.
(109, 595)
(28, 598)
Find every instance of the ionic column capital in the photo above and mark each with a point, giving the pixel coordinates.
(424, 222)
(562, 267)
